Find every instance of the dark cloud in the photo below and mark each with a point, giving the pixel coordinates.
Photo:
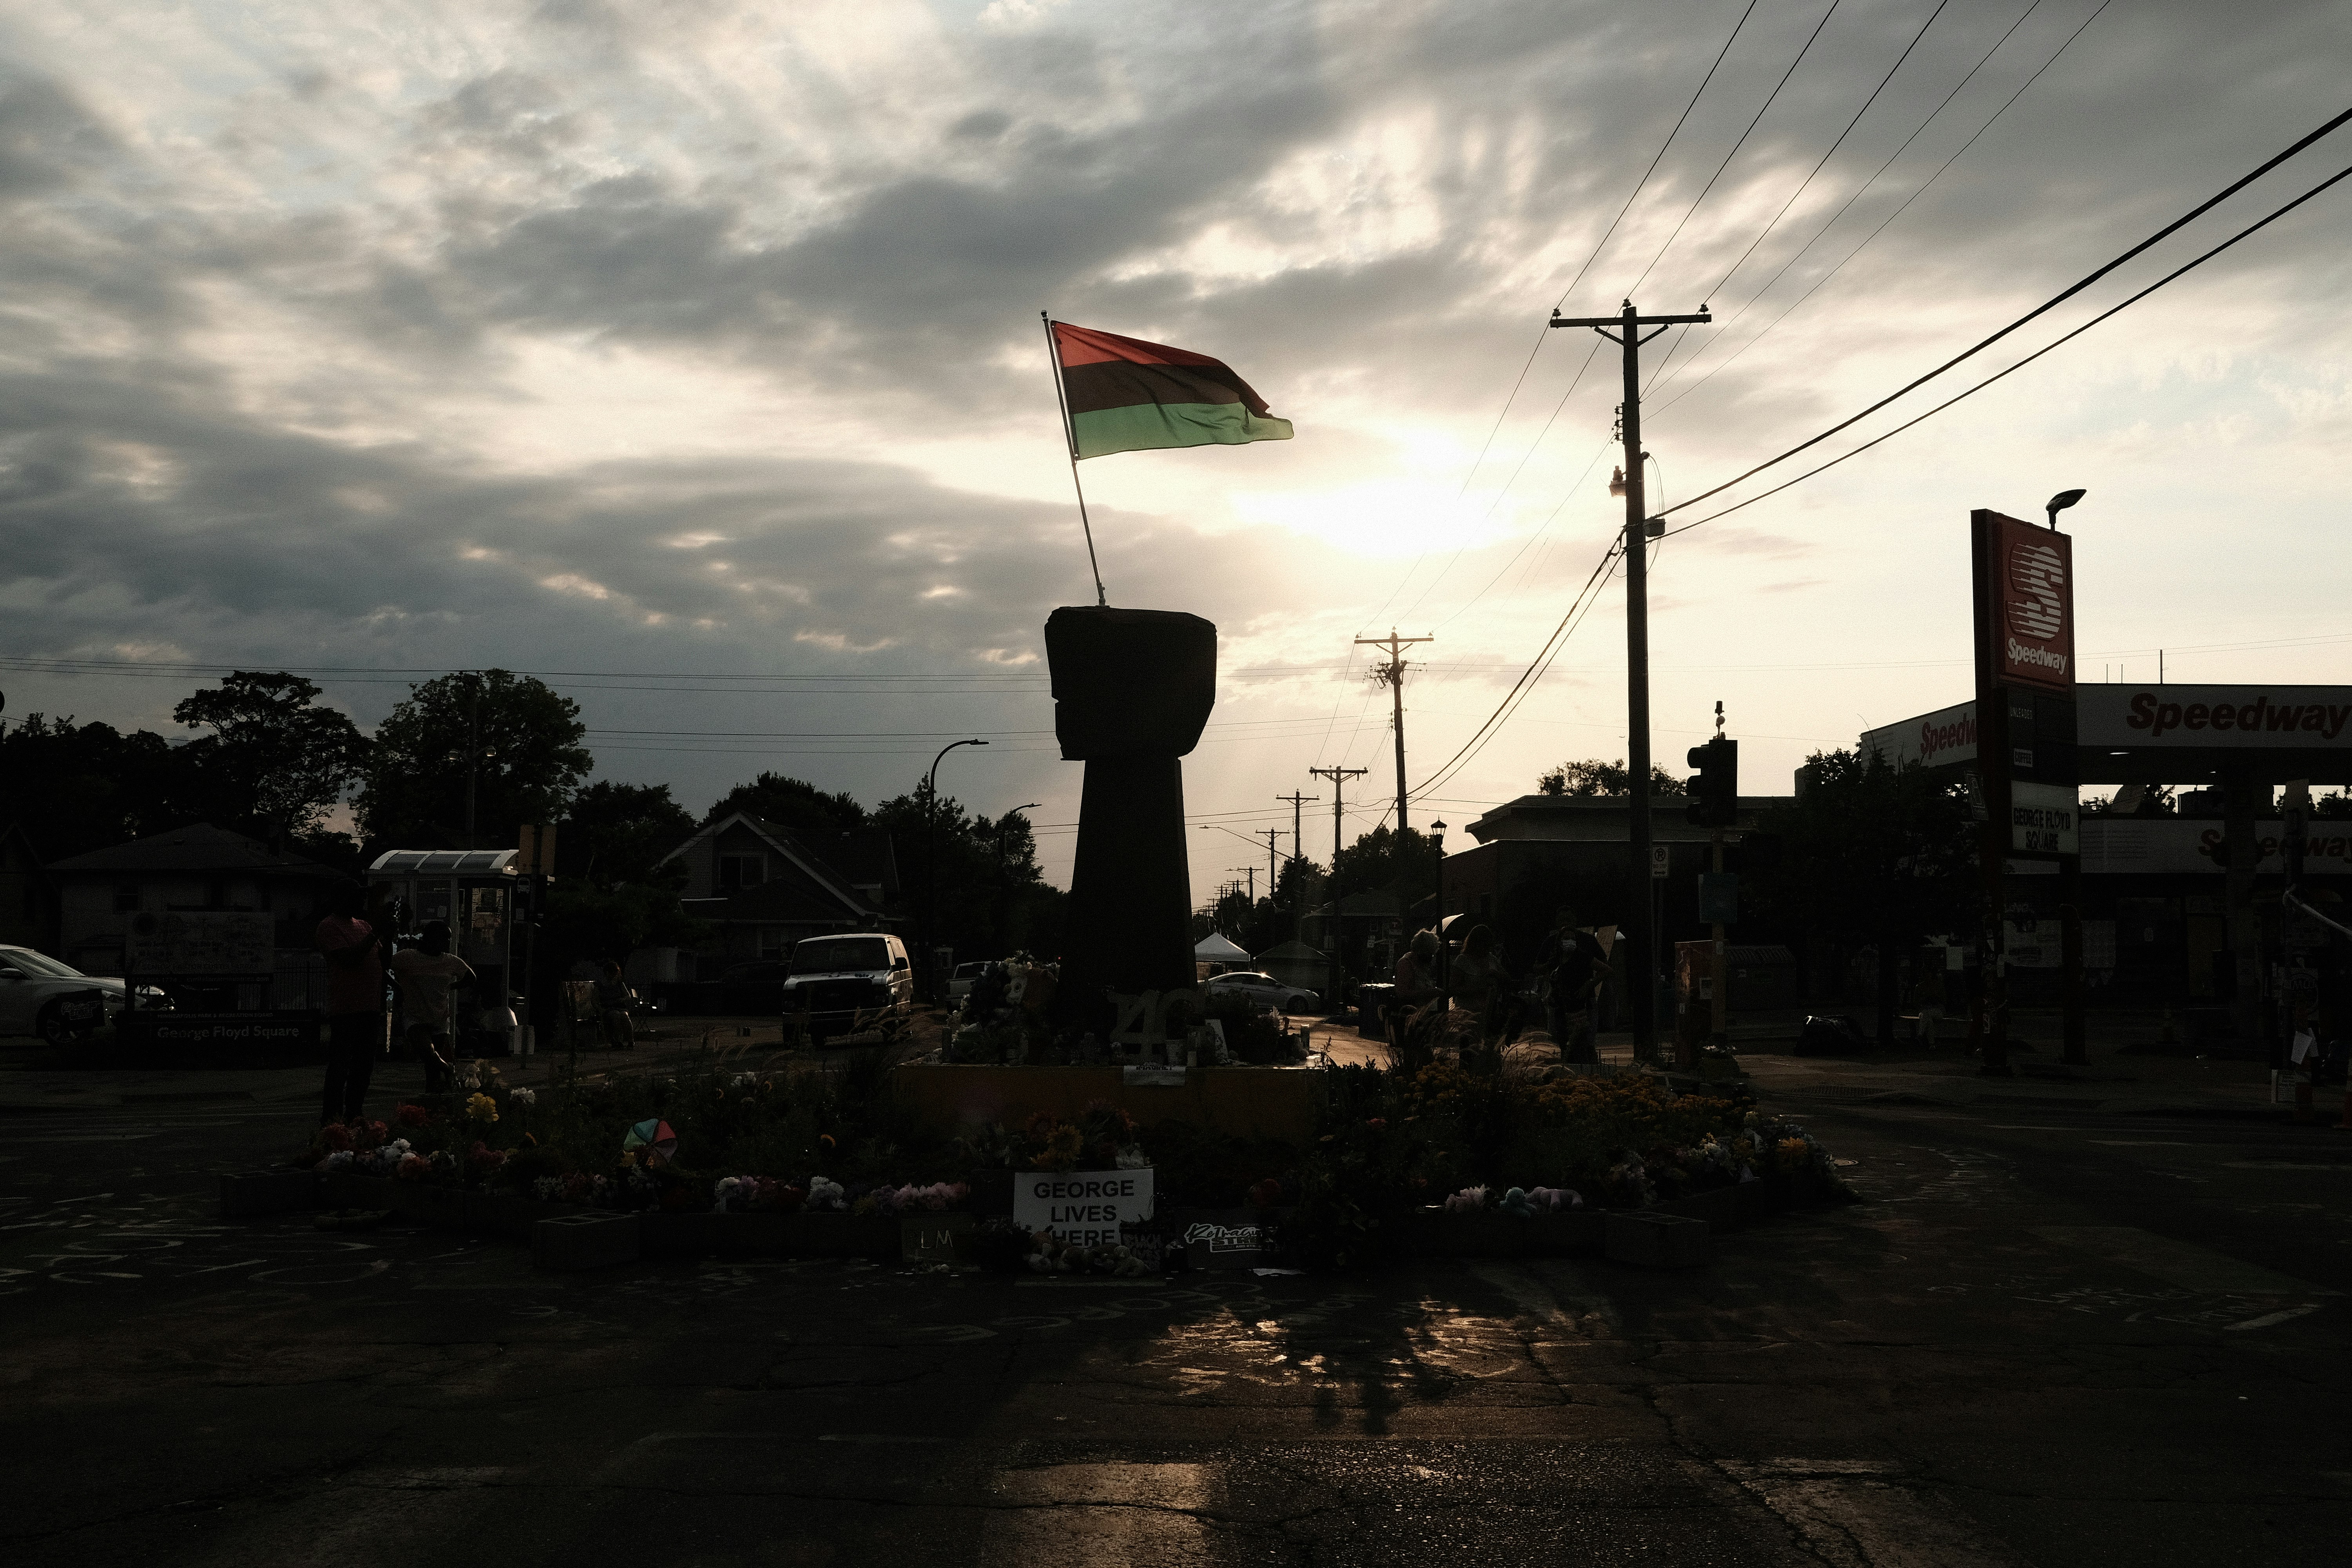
(244, 326)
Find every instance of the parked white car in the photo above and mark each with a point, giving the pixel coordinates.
(41, 995)
(959, 983)
(1264, 989)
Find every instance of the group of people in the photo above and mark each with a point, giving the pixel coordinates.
(1571, 968)
(359, 941)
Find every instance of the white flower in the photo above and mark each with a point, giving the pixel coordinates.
(523, 1097)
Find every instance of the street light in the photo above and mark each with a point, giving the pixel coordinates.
(931, 865)
(2060, 502)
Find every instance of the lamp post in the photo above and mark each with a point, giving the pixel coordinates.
(1437, 837)
(931, 866)
(2073, 1041)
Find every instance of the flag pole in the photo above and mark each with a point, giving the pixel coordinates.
(1070, 434)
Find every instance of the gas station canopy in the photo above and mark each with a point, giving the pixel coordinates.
(2166, 734)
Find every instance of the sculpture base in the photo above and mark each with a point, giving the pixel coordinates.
(1130, 922)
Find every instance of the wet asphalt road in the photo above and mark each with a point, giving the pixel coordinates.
(2049, 1335)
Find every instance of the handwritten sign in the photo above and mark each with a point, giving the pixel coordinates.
(1085, 1209)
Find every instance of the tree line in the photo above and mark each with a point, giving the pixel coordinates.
(465, 759)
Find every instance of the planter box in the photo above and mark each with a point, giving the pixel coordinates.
(773, 1235)
(949, 1097)
(931, 1238)
(249, 1195)
(344, 1190)
(588, 1239)
(1649, 1239)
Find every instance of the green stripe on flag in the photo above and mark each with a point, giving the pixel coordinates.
(1140, 426)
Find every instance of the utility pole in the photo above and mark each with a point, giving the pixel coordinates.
(1271, 854)
(1297, 802)
(1392, 675)
(472, 747)
(1338, 777)
(1334, 934)
(1641, 967)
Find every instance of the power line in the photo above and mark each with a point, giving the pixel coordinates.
(2021, 364)
(1529, 541)
(1532, 672)
(1842, 135)
(1898, 212)
(2044, 308)
(1736, 146)
(1601, 244)
(1660, 374)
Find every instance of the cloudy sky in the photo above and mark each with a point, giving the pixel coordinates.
(691, 350)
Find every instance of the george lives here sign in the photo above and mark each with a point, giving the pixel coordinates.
(1085, 1209)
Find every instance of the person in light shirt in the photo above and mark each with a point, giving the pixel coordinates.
(427, 976)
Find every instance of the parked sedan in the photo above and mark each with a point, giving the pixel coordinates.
(39, 996)
(1264, 989)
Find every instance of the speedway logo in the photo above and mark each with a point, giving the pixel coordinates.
(2028, 571)
(2160, 713)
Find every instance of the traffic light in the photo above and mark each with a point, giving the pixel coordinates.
(1714, 790)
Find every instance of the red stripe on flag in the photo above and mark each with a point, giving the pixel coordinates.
(1084, 345)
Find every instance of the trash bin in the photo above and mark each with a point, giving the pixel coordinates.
(1372, 1011)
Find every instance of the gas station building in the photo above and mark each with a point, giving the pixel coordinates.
(2180, 910)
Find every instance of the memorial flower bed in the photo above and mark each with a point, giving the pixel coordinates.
(1392, 1152)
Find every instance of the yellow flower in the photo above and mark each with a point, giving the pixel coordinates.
(482, 1107)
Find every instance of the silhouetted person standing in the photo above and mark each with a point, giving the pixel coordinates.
(352, 944)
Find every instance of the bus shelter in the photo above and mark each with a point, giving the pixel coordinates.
(474, 891)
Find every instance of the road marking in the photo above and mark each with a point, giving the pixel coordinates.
(2175, 1262)
(1852, 1514)
(2267, 1318)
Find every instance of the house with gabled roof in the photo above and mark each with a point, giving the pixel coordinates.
(766, 886)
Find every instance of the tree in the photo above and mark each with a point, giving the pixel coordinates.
(992, 897)
(2155, 800)
(1869, 855)
(272, 756)
(612, 894)
(1590, 777)
(79, 787)
(1387, 861)
(619, 832)
(518, 740)
(794, 804)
